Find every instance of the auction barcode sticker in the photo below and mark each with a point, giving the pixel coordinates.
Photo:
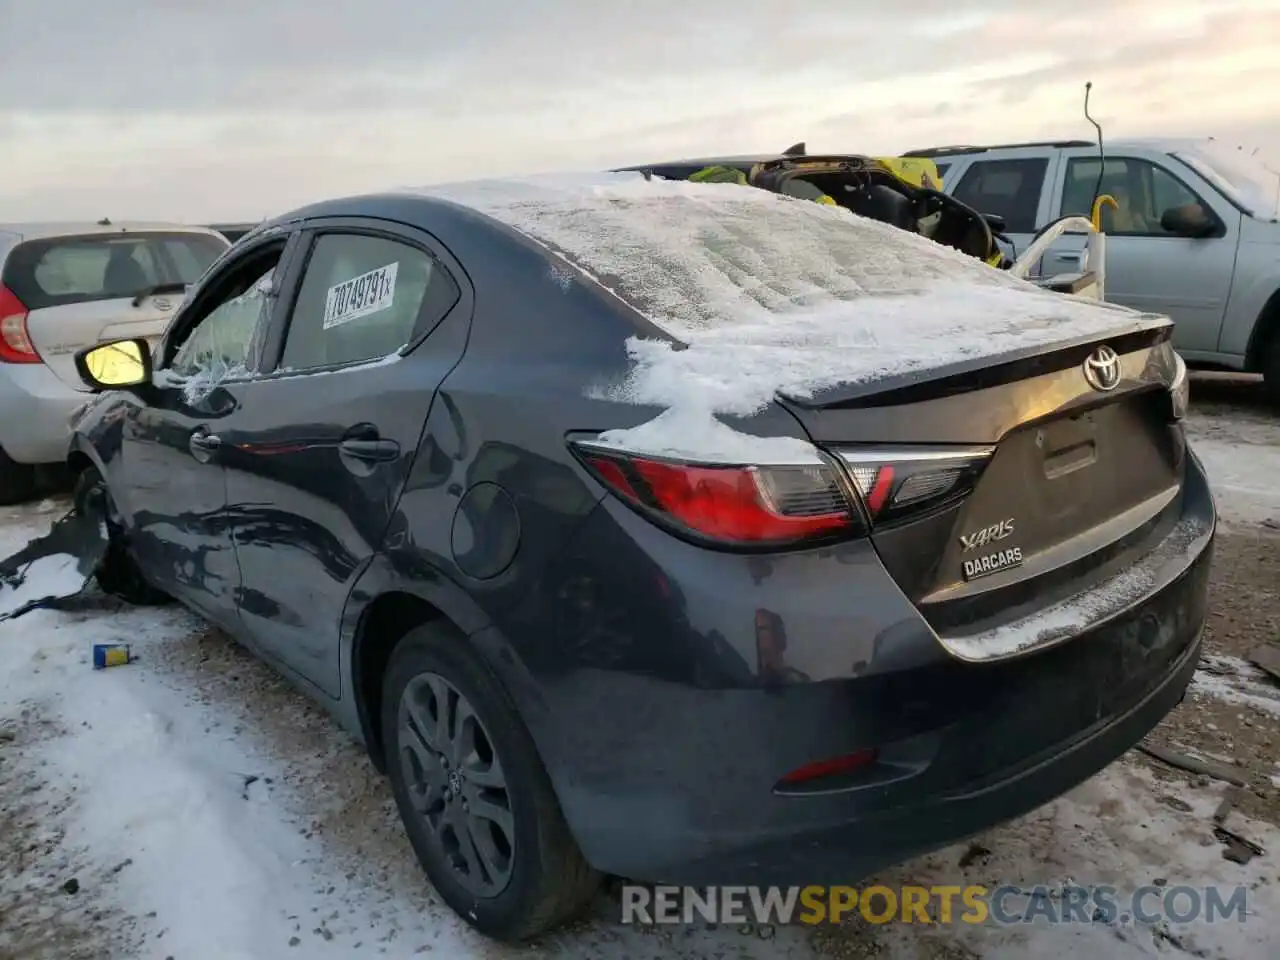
(360, 296)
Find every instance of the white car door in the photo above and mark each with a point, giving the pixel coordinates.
(1148, 267)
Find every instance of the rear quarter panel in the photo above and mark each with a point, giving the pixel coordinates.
(536, 339)
(545, 349)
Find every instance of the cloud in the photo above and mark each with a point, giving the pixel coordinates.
(171, 109)
(332, 55)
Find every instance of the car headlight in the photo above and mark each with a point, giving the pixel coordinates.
(1179, 388)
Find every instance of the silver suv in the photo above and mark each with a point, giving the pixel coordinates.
(1196, 235)
(66, 286)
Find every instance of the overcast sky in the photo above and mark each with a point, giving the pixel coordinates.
(238, 109)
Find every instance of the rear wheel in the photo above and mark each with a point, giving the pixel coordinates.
(476, 802)
(17, 480)
(118, 574)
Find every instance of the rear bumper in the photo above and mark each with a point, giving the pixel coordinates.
(666, 742)
(37, 407)
(843, 849)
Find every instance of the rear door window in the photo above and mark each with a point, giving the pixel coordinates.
(77, 269)
(1008, 188)
(363, 298)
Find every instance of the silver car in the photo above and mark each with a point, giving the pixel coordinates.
(1196, 235)
(66, 286)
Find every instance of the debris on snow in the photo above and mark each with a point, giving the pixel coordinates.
(1189, 763)
(1234, 681)
(1230, 797)
(1268, 658)
(51, 567)
(1238, 849)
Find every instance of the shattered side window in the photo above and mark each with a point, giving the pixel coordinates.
(223, 342)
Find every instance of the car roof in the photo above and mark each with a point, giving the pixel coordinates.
(41, 230)
(421, 207)
(960, 149)
(743, 162)
(745, 159)
(1162, 144)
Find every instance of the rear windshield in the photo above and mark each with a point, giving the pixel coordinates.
(59, 271)
(693, 257)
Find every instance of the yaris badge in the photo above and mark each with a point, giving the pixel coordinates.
(1102, 369)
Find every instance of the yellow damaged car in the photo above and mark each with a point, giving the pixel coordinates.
(903, 191)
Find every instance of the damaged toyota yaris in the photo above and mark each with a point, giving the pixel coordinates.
(674, 531)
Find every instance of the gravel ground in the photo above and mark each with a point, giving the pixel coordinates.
(80, 879)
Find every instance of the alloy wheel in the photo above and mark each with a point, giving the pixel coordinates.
(456, 785)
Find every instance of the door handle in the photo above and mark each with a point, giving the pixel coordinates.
(203, 446)
(376, 451)
(1075, 257)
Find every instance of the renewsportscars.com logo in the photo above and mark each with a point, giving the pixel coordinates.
(941, 904)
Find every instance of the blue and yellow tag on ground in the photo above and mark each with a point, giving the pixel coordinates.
(110, 655)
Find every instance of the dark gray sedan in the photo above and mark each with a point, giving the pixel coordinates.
(683, 532)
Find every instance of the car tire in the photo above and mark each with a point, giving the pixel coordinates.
(539, 878)
(118, 574)
(17, 481)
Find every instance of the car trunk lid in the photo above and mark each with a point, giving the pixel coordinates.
(58, 332)
(1010, 478)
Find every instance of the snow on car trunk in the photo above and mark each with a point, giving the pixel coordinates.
(768, 294)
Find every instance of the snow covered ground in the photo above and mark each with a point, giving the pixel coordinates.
(189, 805)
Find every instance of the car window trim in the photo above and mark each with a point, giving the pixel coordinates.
(1220, 230)
(181, 327)
(309, 235)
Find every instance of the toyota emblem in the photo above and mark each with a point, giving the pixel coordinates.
(1102, 369)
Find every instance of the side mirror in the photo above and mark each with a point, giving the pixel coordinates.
(1190, 220)
(997, 223)
(115, 365)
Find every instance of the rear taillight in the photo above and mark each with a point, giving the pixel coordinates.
(15, 344)
(756, 505)
(899, 484)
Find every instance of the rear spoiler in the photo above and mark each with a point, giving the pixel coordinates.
(980, 373)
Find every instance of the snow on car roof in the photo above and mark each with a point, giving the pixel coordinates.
(695, 258)
(771, 293)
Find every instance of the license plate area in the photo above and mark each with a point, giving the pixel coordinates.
(994, 561)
